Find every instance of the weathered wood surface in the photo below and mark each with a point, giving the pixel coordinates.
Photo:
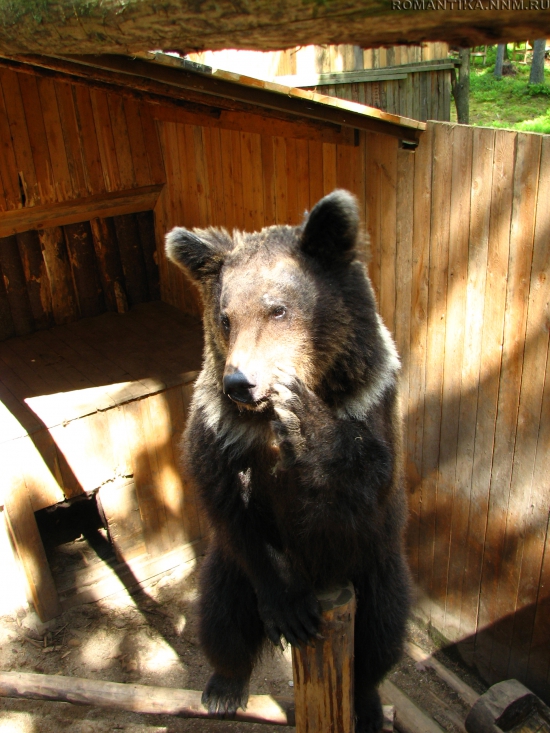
(409, 718)
(323, 671)
(138, 698)
(508, 705)
(63, 26)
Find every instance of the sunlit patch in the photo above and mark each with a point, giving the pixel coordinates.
(99, 650)
(180, 624)
(16, 722)
(160, 658)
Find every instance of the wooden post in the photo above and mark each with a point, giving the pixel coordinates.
(323, 672)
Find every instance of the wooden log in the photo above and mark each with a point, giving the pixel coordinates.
(146, 227)
(84, 268)
(138, 698)
(16, 288)
(109, 264)
(56, 258)
(132, 259)
(409, 718)
(508, 705)
(36, 276)
(323, 672)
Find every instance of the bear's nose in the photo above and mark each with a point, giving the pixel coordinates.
(237, 387)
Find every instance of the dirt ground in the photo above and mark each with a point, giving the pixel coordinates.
(151, 638)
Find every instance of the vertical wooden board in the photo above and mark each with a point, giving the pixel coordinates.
(54, 136)
(26, 537)
(7, 327)
(121, 510)
(373, 205)
(268, 175)
(9, 81)
(36, 277)
(388, 216)
(184, 168)
(281, 185)
(56, 260)
(152, 510)
(80, 247)
(152, 144)
(531, 487)
(88, 137)
(519, 452)
(41, 470)
(329, 167)
(122, 141)
(138, 143)
(131, 256)
(37, 138)
(213, 162)
(291, 182)
(105, 139)
(71, 137)
(452, 501)
(109, 264)
(238, 181)
(302, 178)
(226, 179)
(315, 156)
(15, 285)
(404, 263)
(485, 508)
(201, 182)
(257, 181)
(435, 354)
(146, 228)
(344, 167)
(8, 164)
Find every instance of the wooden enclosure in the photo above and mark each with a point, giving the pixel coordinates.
(459, 234)
(413, 81)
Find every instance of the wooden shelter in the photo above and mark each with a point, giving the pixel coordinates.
(95, 397)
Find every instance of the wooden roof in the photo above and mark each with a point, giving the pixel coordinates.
(112, 26)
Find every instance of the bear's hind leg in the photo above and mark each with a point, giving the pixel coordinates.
(230, 631)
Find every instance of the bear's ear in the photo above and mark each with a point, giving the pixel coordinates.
(331, 229)
(200, 252)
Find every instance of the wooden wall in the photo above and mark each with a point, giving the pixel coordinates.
(461, 262)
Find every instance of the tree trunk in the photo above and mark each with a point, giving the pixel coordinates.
(114, 26)
(461, 87)
(537, 65)
(499, 61)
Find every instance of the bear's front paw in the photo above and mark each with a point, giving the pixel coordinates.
(223, 695)
(294, 616)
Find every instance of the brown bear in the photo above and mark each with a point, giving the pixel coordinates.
(294, 443)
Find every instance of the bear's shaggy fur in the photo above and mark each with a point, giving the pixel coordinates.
(294, 443)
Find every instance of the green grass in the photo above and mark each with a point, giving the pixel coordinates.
(510, 102)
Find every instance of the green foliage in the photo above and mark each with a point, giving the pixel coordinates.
(510, 102)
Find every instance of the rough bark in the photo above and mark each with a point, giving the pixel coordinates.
(461, 87)
(127, 26)
(499, 61)
(537, 65)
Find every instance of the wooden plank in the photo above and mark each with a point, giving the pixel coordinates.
(281, 180)
(531, 489)
(121, 510)
(15, 285)
(131, 256)
(138, 143)
(329, 168)
(80, 247)
(121, 140)
(508, 461)
(292, 211)
(485, 508)
(8, 164)
(37, 138)
(316, 187)
(146, 227)
(79, 210)
(26, 537)
(36, 276)
(373, 205)
(54, 137)
(88, 135)
(109, 264)
(388, 215)
(26, 172)
(7, 327)
(268, 183)
(195, 145)
(302, 178)
(238, 186)
(453, 499)
(226, 180)
(71, 137)
(150, 135)
(213, 162)
(105, 139)
(435, 353)
(56, 260)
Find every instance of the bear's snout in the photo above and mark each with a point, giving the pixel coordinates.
(237, 387)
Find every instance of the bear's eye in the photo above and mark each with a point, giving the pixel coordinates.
(278, 312)
(224, 320)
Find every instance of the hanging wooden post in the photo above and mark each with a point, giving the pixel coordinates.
(323, 672)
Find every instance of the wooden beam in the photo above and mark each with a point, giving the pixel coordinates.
(103, 205)
(409, 718)
(106, 26)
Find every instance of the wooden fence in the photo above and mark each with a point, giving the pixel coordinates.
(460, 236)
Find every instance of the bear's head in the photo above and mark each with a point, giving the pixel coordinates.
(291, 299)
